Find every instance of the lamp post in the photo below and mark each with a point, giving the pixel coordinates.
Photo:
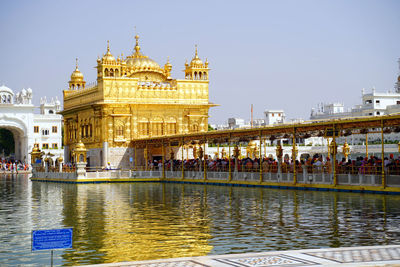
(236, 154)
(346, 150)
(279, 154)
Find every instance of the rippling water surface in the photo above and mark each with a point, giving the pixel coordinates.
(140, 221)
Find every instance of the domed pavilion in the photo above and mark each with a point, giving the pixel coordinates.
(133, 97)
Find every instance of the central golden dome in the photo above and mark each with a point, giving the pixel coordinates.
(138, 62)
(142, 63)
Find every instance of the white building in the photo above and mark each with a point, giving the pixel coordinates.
(234, 123)
(373, 104)
(29, 129)
(274, 116)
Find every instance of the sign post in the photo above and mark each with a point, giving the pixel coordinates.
(52, 239)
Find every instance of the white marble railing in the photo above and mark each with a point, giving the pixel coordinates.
(302, 177)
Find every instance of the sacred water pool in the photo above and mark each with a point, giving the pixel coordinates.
(138, 221)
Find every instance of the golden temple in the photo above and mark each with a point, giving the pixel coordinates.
(132, 98)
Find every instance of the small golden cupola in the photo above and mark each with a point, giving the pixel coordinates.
(143, 67)
(168, 68)
(107, 66)
(77, 81)
(108, 58)
(196, 70)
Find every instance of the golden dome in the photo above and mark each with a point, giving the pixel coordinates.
(80, 146)
(252, 143)
(196, 61)
(76, 74)
(142, 63)
(168, 64)
(108, 57)
(139, 62)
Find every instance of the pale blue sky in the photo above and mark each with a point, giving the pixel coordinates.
(287, 55)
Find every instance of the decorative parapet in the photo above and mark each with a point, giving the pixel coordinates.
(92, 87)
(156, 86)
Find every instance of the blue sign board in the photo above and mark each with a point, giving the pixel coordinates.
(52, 239)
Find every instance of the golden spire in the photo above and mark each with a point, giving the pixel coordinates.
(76, 68)
(108, 46)
(196, 56)
(168, 68)
(137, 47)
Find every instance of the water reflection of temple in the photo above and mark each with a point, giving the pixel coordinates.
(126, 223)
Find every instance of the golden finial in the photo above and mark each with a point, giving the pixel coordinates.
(196, 56)
(108, 46)
(76, 63)
(137, 47)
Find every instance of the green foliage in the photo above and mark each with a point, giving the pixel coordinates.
(210, 128)
(7, 142)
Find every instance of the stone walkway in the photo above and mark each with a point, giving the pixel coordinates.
(353, 256)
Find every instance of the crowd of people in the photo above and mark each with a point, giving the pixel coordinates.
(13, 166)
(312, 164)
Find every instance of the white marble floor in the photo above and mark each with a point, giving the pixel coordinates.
(353, 256)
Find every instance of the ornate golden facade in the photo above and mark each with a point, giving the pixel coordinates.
(133, 98)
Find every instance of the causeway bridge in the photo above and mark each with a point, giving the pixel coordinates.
(154, 159)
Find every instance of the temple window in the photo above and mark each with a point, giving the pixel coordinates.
(157, 128)
(171, 128)
(106, 72)
(143, 128)
(120, 131)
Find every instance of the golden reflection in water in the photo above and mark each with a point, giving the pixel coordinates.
(127, 222)
(137, 227)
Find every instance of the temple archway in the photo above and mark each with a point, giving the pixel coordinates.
(15, 130)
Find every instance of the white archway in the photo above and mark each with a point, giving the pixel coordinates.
(19, 130)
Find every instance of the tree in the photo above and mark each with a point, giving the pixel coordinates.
(210, 128)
